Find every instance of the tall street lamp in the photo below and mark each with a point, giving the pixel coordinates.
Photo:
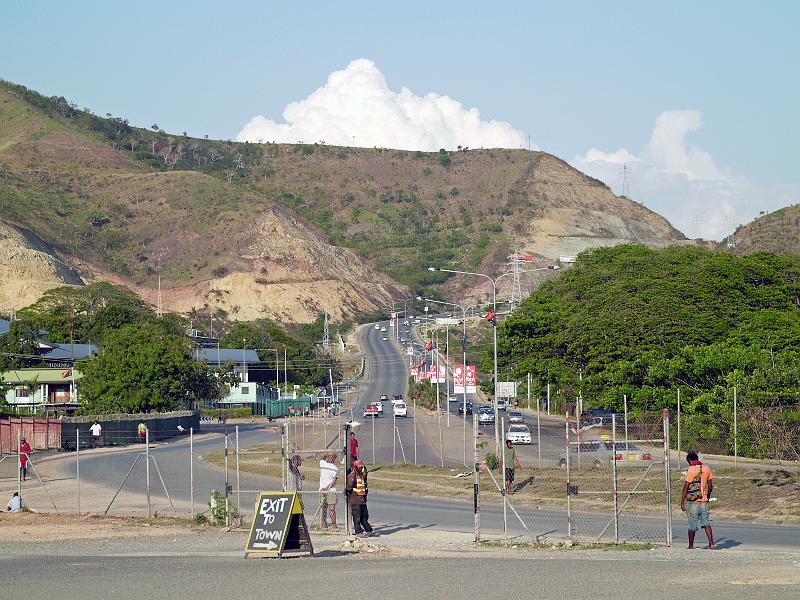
(493, 281)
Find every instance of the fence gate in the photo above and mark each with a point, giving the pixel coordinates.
(618, 480)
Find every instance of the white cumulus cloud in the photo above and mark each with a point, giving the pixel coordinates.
(355, 107)
(682, 182)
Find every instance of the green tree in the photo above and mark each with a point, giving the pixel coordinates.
(143, 368)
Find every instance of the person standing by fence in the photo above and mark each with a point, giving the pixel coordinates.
(142, 429)
(328, 474)
(24, 457)
(357, 491)
(96, 430)
(511, 463)
(697, 487)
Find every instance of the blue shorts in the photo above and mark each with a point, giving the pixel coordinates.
(697, 513)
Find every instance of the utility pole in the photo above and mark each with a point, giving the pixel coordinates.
(159, 310)
(326, 338)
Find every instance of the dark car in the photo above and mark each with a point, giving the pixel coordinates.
(461, 408)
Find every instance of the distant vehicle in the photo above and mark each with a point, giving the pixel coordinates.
(405, 323)
(416, 320)
(501, 404)
(599, 453)
(519, 434)
(455, 398)
(485, 417)
(514, 416)
(377, 326)
(397, 399)
(383, 328)
(598, 417)
(384, 397)
(378, 405)
(371, 411)
(403, 340)
(385, 339)
(461, 408)
(400, 410)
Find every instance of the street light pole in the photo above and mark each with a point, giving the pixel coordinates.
(493, 281)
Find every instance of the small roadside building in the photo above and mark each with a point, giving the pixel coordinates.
(30, 390)
(246, 393)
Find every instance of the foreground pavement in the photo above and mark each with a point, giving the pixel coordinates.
(399, 563)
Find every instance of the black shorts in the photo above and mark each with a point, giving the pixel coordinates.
(509, 474)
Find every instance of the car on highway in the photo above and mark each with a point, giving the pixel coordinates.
(383, 328)
(397, 398)
(400, 410)
(599, 453)
(501, 404)
(383, 397)
(485, 417)
(371, 411)
(461, 408)
(514, 416)
(385, 339)
(377, 326)
(378, 405)
(519, 434)
(455, 398)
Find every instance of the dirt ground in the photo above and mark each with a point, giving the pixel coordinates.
(30, 527)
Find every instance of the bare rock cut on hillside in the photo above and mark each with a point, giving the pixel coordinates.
(28, 268)
(288, 273)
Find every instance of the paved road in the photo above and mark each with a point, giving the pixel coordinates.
(387, 373)
(486, 575)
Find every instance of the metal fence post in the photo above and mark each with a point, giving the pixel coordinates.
(625, 401)
(678, 458)
(569, 507)
(19, 464)
(735, 430)
(415, 431)
(505, 490)
(394, 438)
(78, 467)
(191, 472)
(614, 474)
(539, 430)
(147, 467)
(226, 478)
(667, 476)
(373, 443)
(238, 484)
(476, 504)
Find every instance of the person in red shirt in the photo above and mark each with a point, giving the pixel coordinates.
(353, 446)
(24, 455)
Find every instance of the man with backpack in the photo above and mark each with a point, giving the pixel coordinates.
(697, 487)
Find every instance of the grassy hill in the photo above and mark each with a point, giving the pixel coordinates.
(777, 232)
(132, 203)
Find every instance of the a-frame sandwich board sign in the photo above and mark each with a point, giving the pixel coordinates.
(279, 526)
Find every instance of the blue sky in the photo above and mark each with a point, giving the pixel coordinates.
(575, 76)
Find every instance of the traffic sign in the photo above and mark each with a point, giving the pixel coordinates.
(278, 526)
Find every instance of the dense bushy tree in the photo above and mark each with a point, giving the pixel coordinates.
(144, 367)
(645, 322)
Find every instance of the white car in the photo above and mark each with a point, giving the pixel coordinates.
(400, 409)
(377, 326)
(383, 328)
(519, 434)
(397, 400)
(385, 339)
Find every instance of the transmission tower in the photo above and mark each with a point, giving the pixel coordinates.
(626, 188)
(515, 262)
(326, 337)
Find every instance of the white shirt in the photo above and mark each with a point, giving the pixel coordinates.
(96, 429)
(327, 475)
(15, 505)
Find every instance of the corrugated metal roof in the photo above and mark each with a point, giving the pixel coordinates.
(40, 376)
(227, 354)
(70, 351)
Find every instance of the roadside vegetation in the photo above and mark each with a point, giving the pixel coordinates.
(645, 323)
